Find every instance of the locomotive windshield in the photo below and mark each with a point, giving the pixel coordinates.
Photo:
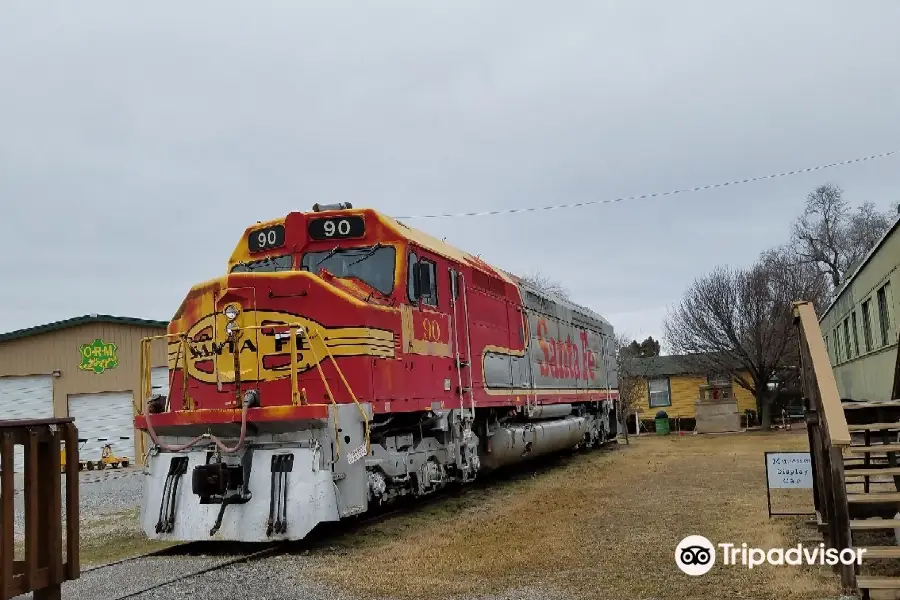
(267, 264)
(372, 264)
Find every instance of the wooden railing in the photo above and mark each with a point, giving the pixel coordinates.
(828, 436)
(44, 567)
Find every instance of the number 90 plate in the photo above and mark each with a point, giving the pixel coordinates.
(337, 228)
(266, 238)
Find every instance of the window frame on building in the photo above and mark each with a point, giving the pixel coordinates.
(847, 345)
(837, 345)
(884, 313)
(651, 391)
(868, 340)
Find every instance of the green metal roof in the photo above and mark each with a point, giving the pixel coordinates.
(672, 364)
(76, 321)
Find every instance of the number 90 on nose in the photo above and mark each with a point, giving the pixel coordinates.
(266, 238)
(337, 228)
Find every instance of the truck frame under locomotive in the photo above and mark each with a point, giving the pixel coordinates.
(346, 360)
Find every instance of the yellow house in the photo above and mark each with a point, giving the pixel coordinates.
(673, 384)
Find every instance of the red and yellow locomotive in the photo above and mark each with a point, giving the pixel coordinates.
(347, 359)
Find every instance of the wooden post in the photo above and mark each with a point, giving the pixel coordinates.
(9, 510)
(51, 515)
(827, 473)
(32, 504)
(42, 570)
(812, 429)
(73, 564)
(842, 517)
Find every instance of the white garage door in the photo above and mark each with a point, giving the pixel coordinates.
(26, 397)
(159, 381)
(104, 418)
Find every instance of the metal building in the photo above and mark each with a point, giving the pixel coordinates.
(87, 368)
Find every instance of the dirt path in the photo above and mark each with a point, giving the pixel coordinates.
(599, 525)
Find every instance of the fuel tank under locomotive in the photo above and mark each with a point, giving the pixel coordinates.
(510, 444)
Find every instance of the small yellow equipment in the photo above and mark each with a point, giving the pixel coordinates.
(107, 459)
(110, 459)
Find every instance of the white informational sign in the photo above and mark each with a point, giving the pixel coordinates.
(789, 470)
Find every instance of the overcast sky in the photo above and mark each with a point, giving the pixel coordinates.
(138, 140)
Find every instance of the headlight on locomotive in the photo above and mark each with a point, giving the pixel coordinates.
(231, 312)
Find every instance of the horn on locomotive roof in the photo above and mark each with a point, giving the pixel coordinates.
(339, 206)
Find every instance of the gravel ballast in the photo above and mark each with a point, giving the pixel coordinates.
(101, 494)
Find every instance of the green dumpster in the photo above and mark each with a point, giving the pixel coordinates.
(662, 423)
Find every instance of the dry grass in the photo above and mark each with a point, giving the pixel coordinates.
(598, 525)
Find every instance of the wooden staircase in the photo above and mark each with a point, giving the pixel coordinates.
(872, 483)
(856, 468)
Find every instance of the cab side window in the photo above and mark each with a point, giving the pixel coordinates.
(422, 281)
(411, 279)
(429, 284)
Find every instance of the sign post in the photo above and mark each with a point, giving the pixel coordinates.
(787, 470)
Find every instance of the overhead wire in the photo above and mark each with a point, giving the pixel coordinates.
(506, 211)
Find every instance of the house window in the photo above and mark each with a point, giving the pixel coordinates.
(660, 393)
(855, 333)
(828, 347)
(847, 345)
(718, 379)
(837, 346)
(884, 316)
(867, 325)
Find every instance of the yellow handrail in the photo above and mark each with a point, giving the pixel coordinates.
(146, 388)
(337, 437)
(352, 395)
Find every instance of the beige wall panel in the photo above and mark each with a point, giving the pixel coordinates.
(59, 350)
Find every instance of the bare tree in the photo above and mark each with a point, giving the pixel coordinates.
(630, 379)
(740, 321)
(834, 237)
(547, 284)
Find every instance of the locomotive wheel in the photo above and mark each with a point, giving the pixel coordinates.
(90, 465)
(124, 464)
(101, 465)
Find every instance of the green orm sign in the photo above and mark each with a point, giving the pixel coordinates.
(98, 356)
